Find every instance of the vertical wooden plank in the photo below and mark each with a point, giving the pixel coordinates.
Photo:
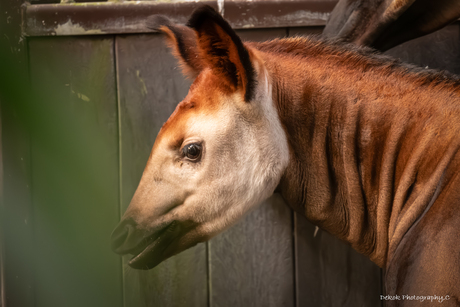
(438, 50)
(329, 272)
(17, 285)
(150, 87)
(251, 264)
(75, 171)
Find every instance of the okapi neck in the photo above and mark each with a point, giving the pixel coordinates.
(368, 148)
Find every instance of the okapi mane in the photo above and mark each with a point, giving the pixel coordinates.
(358, 57)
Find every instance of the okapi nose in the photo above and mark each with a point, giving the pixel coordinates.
(122, 236)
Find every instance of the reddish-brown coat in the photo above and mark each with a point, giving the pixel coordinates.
(371, 142)
(201, 99)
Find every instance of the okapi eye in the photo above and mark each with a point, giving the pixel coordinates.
(192, 151)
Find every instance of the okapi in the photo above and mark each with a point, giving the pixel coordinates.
(383, 24)
(365, 147)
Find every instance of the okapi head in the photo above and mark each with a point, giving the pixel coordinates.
(221, 153)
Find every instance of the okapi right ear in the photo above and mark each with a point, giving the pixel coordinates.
(182, 40)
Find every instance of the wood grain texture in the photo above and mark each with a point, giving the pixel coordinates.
(330, 273)
(251, 264)
(123, 17)
(75, 172)
(150, 87)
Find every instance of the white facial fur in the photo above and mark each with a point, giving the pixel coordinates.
(245, 153)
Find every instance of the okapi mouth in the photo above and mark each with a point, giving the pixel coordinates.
(151, 251)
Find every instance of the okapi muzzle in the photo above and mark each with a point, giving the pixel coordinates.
(148, 246)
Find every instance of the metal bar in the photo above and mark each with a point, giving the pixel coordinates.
(129, 17)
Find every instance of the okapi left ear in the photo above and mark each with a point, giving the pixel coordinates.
(223, 51)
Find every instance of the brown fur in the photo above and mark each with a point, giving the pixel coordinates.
(200, 99)
(371, 141)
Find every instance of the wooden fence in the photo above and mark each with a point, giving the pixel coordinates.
(73, 154)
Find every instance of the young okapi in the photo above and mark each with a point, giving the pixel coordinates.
(363, 146)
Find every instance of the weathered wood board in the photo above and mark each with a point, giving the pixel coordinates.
(150, 86)
(74, 172)
(330, 272)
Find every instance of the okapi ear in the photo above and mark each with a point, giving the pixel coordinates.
(222, 50)
(183, 42)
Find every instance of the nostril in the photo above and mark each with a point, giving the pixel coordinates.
(121, 234)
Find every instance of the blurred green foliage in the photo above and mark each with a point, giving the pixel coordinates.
(61, 149)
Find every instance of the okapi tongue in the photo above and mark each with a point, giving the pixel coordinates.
(148, 258)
